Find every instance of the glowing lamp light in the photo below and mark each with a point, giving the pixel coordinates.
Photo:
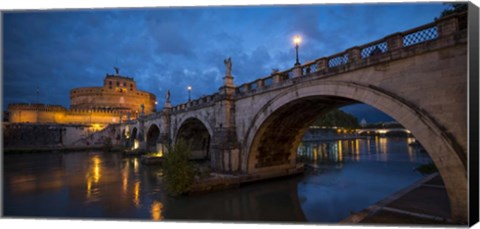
(96, 127)
(297, 39)
(382, 131)
(136, 144)
(159, 153)
(189, 88)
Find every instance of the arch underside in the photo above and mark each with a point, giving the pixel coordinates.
(273, 144)
(194, 132)
(153, 134)
(133, 137)
(283, 130)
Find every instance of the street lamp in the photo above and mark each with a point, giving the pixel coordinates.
(297, 41)
(189, 88)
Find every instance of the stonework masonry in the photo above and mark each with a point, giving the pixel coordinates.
(418, 77)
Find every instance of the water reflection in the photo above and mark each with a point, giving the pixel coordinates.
(93, 175)
(107, 185)
(136, 194)
(156, 210)
(349, 175)
(335, 151)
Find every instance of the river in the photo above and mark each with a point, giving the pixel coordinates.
(347, 176)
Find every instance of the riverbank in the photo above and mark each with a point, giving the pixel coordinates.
(55, 149)
(425, 202)
(218, 181)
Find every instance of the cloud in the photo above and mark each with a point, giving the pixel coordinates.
(171, 48)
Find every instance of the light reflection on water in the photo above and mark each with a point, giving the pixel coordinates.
(350, 175)
(334, 151)
(354, 174)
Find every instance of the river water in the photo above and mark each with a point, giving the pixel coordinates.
(347, 176)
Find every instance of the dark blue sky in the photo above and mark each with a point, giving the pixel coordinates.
(171, 48)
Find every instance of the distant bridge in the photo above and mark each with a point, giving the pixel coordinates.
(382, 131)
(418, 77)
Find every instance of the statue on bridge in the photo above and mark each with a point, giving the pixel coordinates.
(228, 65)
(167, 97)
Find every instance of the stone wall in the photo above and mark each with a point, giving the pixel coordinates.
(41, 113)
(23, 135)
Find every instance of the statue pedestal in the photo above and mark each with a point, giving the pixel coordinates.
(297, 71)
(228, 81)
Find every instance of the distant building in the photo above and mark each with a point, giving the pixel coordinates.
(363, 123)
(117, 100)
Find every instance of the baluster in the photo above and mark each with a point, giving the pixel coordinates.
(322, 64)
(260, 84)
(394, 41)
(354, 54)
(448, 26)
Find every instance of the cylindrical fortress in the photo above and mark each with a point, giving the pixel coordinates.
(118, 93)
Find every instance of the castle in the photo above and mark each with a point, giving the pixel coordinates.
(118, 100)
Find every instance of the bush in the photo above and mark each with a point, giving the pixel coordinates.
(177, 168)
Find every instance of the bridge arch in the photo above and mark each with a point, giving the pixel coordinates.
(153, 133)
(284, 114)
(198, 135)
(133, 137)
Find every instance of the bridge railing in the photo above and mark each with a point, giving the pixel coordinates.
(202, 101)
(442, 27)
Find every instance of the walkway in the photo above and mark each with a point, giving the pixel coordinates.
(425, 202)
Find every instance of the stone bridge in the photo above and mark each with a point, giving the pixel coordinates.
(418, 77)
(383, 131)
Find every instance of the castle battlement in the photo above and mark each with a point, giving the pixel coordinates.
(120, 77)
(98, 111)
(36, 107)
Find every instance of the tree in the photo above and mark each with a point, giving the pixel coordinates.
(454, 8)
(337, 118)
(178, 169)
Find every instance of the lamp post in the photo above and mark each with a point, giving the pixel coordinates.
(297, 41)
(189, 88)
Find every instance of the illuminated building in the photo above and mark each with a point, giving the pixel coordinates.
(117, 99)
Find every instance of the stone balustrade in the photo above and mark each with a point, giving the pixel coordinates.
(196, 103)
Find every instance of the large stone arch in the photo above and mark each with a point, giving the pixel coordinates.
(183, 119)
(195, 133)
(445, 152)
